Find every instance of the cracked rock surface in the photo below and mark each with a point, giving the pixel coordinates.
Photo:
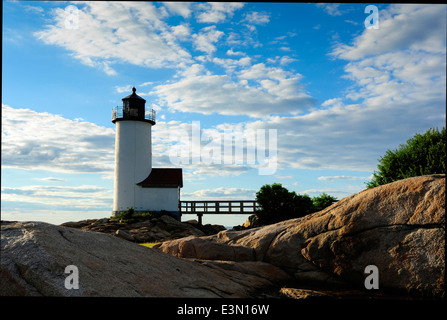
(34, 256)
(398, 227)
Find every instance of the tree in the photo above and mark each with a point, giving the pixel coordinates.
(278, 204)
(322, 201)
(421, 155)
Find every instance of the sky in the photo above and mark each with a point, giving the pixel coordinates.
(325, 87)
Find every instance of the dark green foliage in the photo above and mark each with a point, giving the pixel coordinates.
(130, 214)
(421, 155)
(278, 204)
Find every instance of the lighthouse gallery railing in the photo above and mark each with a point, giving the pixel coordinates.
(119, 111)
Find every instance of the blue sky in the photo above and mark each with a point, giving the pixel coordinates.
(338, 94)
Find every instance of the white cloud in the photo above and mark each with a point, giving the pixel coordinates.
(285, 60)
(43, 141)
(40, 140)
(335, 178)
(181, 32)
(273, 90)
(73, 197)
(400, 69)
(301, 144)
(179, 8)
(220, 194)
(284, 177)
(402, 76)
(12, 36)
(126, 88)
(192, 70)
(333, 102)
(111, 32)
(206, 38)
(338, 194)
(398, 93)
(331, 8)
(201, 172)
(34, 9)
(259, 18)
(398, 76)
(51, 179)
(352, 22)
(287, 49)
(136, 32)
(231, 64)
(215, 12)
(144, 84)
(348, 137)
(402, 27)
(230, 52)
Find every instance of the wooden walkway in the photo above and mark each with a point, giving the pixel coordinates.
(218, 207)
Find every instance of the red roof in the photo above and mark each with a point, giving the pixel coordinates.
(163, 178)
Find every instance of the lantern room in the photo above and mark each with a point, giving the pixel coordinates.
(133, 108)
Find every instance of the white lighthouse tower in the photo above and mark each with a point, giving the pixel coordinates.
(137, 185)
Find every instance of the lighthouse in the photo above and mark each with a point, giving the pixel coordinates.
(136, 184)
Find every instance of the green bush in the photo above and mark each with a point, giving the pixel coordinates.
(126, 215)
(130, 214)
(421, 155)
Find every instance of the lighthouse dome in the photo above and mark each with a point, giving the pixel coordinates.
(133, 96)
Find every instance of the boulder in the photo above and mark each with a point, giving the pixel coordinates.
(81, 224)
(250, 222)
(177, 228)
(34, 256)
(210, 229)
(206, 249)
(398, 227)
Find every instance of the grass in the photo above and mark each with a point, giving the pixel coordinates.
(149, 244)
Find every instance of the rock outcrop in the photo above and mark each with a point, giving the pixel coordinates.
(146, 230)
(398, 227)
(34, 256)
